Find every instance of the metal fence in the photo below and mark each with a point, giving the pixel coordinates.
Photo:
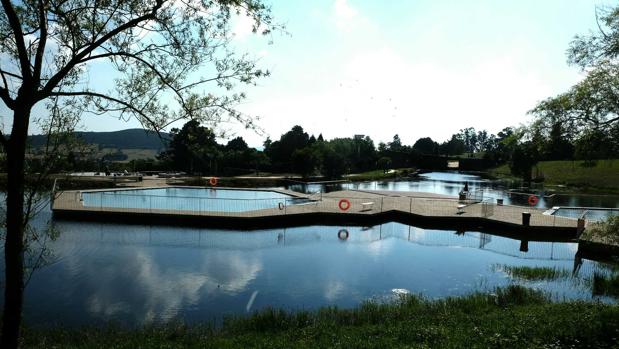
(591, 214)
(285, 205)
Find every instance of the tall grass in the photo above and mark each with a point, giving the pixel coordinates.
(511, 317)
(605, 285)
(534, 273)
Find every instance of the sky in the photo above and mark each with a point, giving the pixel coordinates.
(416, 68)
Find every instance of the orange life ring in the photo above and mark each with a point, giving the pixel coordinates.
(213, 181)
(532, 200)
(342, 234)
(344, 204)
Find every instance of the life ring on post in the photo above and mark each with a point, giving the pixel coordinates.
(342, 234)
(280, 206)
(344, 204)
(532, 200)
(213, 181)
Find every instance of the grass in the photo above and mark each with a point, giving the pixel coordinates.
(502, 171)
(511, 317)
(535, 273)
(602, 176)
(379, 174)
(605, 285)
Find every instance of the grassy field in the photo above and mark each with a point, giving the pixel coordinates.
(602, 177)
(514, 317)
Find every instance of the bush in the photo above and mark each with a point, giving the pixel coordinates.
(607, 231)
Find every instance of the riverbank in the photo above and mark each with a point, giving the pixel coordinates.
(599, 177)
(513, 317)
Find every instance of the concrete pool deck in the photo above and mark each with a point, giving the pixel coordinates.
(365, 208)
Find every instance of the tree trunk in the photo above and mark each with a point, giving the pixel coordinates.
(14, 243)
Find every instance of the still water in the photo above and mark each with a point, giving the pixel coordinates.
(133, 275)
(143, 274)
(451, 183)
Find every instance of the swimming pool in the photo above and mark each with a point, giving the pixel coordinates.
(189, 199)
(589, 213)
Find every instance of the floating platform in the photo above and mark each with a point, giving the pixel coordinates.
(349, 207)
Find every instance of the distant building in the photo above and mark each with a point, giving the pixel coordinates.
(359, 136)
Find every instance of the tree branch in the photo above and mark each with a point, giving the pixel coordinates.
(6, 98)
(109, 98)
(54, 80)
(609, 121)
(24, 62)
(154, 69)
(38, 60)
(4, 72)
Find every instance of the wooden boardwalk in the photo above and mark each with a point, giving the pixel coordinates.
(361, 204)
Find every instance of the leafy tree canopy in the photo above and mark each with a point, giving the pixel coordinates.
(426, 146)
(193, 148)
(594, 101)
(167, 60)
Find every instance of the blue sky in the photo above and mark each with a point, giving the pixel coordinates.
(416, 68)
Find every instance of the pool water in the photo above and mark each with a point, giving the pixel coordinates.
(189, 199)
(591, 214)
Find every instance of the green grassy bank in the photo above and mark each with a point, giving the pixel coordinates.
(379, 175)
(602, 176)
(514, 317)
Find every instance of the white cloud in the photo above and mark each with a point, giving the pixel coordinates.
(157, 291)
(381, 93)
(345, 16)
(333, 290)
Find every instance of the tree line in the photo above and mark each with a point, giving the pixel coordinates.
(194, 149)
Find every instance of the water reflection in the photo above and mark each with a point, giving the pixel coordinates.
(142, 274)
(451, 183)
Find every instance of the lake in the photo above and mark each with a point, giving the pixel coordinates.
(136, 275)
(451, 183)
(141, 274)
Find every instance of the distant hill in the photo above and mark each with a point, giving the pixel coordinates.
(135, 138)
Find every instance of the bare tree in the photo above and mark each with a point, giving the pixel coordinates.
(168, 59)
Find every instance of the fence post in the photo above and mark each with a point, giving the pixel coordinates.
(410, 210)
(285, 205)
(52, 198)
(150, 204)
(381, 203)
(580, 226)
